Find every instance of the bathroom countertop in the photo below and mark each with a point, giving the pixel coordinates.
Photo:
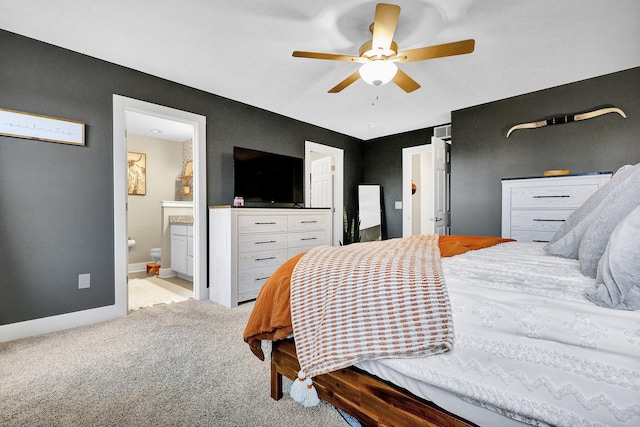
(180, 219)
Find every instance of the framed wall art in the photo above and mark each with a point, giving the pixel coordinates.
(42, 128)
(137, 173)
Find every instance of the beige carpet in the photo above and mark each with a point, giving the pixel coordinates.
(181, 364)
(150, 291)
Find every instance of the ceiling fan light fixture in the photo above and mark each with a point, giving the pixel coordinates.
(378, 72)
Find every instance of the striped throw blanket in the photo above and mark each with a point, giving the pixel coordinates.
(367, 301)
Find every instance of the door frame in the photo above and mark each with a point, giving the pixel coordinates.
(121, 105)
(338, 183)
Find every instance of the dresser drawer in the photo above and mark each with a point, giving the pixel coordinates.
(179, 229)
(251, 260)
(249, 295)
(250, 281)
(540, 220)
(560, 196)
(309, 238)
(532, 236)
(261, 242)
(307, 222)
(261, 223)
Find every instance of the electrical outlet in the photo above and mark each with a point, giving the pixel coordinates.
(84, 281)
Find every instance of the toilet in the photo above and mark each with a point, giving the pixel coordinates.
(155, 255)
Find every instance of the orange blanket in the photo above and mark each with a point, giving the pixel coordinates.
(271, 315)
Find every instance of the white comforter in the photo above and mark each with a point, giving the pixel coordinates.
(530, 346)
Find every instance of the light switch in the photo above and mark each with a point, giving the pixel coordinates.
(398, 205)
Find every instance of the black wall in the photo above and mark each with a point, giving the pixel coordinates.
(481, 155)
(383, 166)
(56, 200)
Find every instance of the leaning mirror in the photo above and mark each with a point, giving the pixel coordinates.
(369, 213)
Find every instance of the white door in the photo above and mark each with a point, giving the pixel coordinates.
(313, 151)
(432, 189)
(441, 176)
(322, 183)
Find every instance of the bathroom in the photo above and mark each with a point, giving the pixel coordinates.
(160, 154)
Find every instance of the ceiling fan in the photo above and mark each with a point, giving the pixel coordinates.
(379, 55)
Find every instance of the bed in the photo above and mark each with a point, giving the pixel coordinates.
(537, 339)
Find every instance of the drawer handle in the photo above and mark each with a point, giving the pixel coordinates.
(265, 242)
(308, 222)
(309, 238)
(547, 197)
(541, 241)
(265, 259)
(264, 223)
(548, 220)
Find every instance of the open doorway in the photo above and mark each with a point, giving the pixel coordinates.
(425, 188)
(160, 210)
(124, 108)
(328, 184)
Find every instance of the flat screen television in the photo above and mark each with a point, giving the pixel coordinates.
(267, 179)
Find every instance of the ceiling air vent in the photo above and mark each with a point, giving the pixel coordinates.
(442, 132)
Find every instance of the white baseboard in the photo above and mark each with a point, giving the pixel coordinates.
(59, 322)
(166, 272)
(137, 267)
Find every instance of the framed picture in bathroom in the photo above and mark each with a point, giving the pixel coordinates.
(137, 173)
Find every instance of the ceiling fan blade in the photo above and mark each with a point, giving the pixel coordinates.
(438, 51)
(405, 82)
(329, 56)
(384, 25)
(346, 82)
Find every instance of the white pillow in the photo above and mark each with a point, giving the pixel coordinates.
(595, 239)
(618, 275)
(566, 241)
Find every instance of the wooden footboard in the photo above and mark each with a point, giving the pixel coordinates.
(371, 400)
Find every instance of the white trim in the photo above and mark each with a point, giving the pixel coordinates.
(137, 267)
(59, 322)
(121, 105)
(163, 273)
(338, 190)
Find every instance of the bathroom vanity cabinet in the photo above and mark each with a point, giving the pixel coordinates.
(182, 250)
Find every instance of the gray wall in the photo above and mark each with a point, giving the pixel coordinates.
(56, 200)
(481, 155)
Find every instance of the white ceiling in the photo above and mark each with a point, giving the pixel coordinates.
(158, 127)
(241, 50)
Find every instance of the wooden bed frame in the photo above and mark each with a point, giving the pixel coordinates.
(374, 402)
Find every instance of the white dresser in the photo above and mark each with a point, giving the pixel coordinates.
(534, 208)
(246, 245)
